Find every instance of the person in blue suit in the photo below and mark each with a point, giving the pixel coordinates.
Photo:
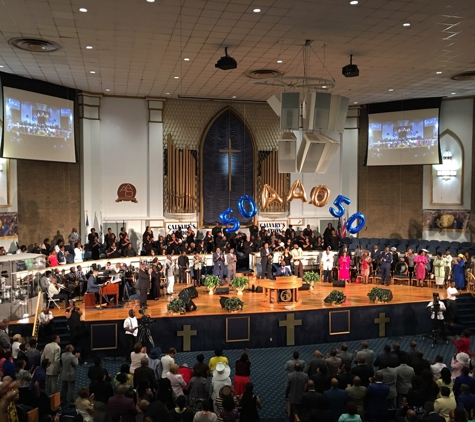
(218, 264)
(376, 399)
(386, 261)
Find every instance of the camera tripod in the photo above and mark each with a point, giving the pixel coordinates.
(145, 334)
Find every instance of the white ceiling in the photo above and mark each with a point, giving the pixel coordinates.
(139, 46)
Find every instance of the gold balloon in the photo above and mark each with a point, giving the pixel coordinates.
(269, 196)
(297, 191)
(445, 221)
(321, 191)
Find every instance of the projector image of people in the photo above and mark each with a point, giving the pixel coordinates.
(51, 122)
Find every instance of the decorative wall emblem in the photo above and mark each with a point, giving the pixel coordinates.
(126, 192)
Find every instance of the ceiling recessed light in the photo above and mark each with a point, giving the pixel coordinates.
(89, 47)
(92, 71)
(234, 96)
(324, 87)
(1, 65)
(454, 93)
(83, 10)
(439, 72)
(107, 90)
(187, 59)
(150, 1)
(257, 10)
(167, 93)
(354, 2)
(406, 24)
(176, 77)
(279, 61)
(356, 102)
(391, 90)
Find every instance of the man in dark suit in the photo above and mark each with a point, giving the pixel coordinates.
(363, 371)
(386, 259)
(420, 364)
(183, 265)
(145, 374)
(375, 257)
(412, 353)
(386, 359)
(376, 403)
(143, 284)
(311, 399)
(401, 354)
(120, 407)
(336, 399)
(294, 389)
(316, 362)
(266, 261)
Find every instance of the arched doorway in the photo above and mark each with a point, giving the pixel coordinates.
(227, 166)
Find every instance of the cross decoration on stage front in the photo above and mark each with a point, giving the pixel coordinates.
(229, 151)
(289, 323)
(186, 333)
(381, 321)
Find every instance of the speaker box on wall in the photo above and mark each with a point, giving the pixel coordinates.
(339, 283)
(326, 112)
(290, 110)
(287, 150)
(222, 291)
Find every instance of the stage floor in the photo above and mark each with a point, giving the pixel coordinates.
(311, 300)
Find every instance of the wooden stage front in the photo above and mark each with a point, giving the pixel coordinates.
(356, 295)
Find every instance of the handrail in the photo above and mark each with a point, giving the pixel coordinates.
(36, 326)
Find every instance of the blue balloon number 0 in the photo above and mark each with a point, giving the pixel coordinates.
(339, 202)
(236, 225)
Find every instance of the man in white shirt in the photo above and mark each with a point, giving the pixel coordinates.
(327, 260)
(297, 255)
(45, 319)
(452, 294)
(438, 366)
(131, 330)
(448, 264)
(168, 269)
(167, 361)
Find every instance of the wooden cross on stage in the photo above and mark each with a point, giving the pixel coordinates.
(186, 333)
(289, 323)
(229, 151)
(382, 320)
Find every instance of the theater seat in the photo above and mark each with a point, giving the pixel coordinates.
(394, 242)
(363, 240)
(384, 241)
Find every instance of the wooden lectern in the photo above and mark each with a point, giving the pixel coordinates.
(281, 292)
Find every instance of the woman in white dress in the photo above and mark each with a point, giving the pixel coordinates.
(78, 252)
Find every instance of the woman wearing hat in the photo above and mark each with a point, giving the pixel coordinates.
(420, 262)
(458, 362)
(459, 272)
(226, 394)
(220, 378)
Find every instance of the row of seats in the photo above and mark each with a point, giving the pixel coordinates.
(403, 245)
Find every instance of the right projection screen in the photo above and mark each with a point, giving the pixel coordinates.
(406, 137)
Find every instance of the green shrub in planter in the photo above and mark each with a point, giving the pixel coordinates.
(233, 304)
(240, 282)
(335, 298)
(380, 295)
(176, 306)
(212, 281)
(311, 277)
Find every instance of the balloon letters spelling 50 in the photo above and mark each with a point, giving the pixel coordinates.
(246, 213)
(339, 211)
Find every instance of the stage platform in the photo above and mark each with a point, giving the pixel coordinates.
(256, 326)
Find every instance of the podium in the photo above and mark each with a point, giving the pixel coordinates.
(281, 292)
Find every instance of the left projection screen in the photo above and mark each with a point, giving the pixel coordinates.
(38, 127)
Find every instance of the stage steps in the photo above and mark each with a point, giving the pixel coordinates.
(61, 328)
(465, 315)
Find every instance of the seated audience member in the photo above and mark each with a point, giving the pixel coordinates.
(54, 292)
(445, 404)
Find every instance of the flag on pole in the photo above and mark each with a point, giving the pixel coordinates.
(100, 228)
(87, 220)
(341, 228)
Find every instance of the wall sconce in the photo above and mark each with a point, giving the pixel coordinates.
(446, 169)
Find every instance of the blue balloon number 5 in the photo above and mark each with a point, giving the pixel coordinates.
(236, 225)
(339, 202)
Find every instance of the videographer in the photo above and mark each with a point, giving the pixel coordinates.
(131, 330)
(437, 309)
(76, 328)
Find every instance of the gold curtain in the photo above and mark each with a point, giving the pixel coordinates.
(181, 181)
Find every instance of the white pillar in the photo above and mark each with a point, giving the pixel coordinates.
(155, 158)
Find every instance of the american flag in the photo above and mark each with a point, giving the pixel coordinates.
(341, 228)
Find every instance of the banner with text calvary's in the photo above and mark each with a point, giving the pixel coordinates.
(276, 226)
(171, 227)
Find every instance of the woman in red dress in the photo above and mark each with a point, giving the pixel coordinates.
(344, 262)
(243, 373)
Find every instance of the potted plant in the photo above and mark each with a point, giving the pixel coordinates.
(239, 283)
(380, 295)
(311, 277)
(233, 304)
(211, 282)
(176, 306)
(335, 298)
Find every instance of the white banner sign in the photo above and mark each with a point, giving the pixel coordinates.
(275, 226)
(171, 227)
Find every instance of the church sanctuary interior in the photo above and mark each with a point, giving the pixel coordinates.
(228, 175)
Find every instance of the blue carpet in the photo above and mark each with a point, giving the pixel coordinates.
(268, 366)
